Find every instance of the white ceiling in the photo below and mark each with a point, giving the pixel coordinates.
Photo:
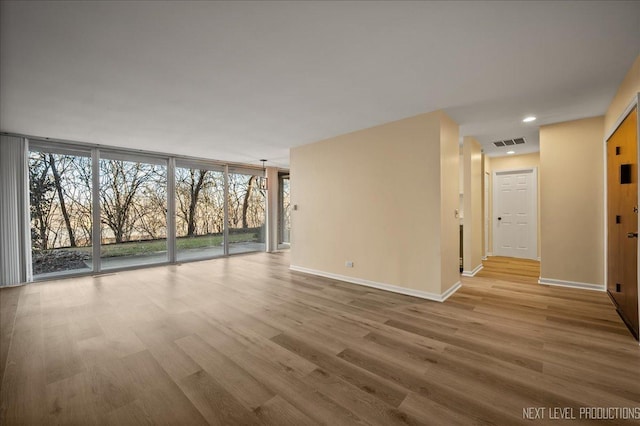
(240, 81)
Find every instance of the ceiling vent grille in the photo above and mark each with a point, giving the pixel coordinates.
(509, 142)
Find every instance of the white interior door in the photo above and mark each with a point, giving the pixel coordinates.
(515, 221)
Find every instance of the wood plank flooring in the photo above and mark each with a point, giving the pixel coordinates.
(245, 341)
(510, 267)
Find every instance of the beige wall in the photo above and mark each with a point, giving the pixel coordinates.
(473, 205)
(450, 201)
(512, 162)
(515, 162)
(377, 197)
(628, 89)
(572, 201)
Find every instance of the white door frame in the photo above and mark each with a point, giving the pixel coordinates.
(486, 219)
(534, 171)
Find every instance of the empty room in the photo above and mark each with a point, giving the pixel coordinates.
(319, 212)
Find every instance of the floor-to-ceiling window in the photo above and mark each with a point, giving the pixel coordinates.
(199, 211)
(284, 212)
(95, 208)
(247, 206)
(133, 210)
(60, 209)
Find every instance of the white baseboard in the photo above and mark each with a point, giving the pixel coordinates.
(381, 286)
(444, 296)
(484, 258)
(571, 284)
(489, 254)
(472, 273)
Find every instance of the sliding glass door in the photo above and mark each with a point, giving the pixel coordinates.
(133, 210)
(60, 209)
(199, 211)
(247, 207)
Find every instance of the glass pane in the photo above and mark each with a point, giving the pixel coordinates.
(246, 214)
(285, 213)
(133, 211)
(60, 204)
(199, 213)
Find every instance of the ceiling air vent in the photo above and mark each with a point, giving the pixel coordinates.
(509, 142)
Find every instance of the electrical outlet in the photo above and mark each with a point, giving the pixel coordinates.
(349, 263)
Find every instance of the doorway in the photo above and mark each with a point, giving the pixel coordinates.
(622, 219)
(515, 211)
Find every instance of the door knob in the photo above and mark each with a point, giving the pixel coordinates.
(499, 218)
(632, 235)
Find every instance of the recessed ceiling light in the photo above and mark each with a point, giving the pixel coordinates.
(529, 119)
(511, 152)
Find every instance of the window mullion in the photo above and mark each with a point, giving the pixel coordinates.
(95, 209)
(171, 210)
(226, 211)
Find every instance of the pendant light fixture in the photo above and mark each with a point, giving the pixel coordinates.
(262, 180)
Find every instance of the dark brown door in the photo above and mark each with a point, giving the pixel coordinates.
(622, 219)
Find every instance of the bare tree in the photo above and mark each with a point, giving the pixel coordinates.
(195, 186)
(150, 208)
(78, 191)
(199, 201)
(245, 203)
(256, 210)
(189, 184)
(41, 200)
(122, 181)
(214, 200)
(234, 199)
(63, 206)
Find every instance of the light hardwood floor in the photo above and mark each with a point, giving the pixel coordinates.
(245, 341)
(510, 267)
